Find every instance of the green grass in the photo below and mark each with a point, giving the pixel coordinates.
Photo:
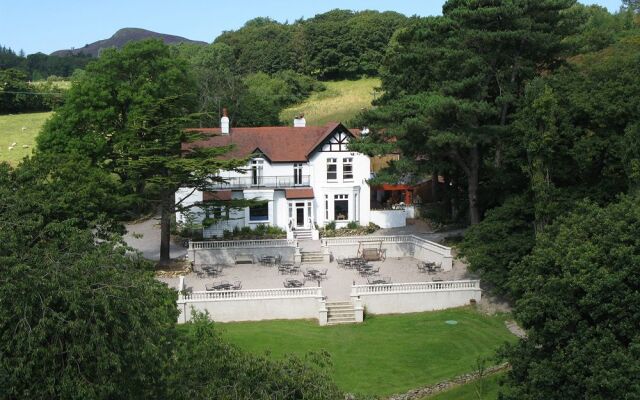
(11, 132)
(385, 354)
(339, 103)
(469, 391)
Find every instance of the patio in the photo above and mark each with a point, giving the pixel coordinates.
(336, 286)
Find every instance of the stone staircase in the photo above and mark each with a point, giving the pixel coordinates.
(312, 257)
(340, 312)
(303, 234)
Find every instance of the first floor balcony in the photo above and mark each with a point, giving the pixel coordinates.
(257, 181)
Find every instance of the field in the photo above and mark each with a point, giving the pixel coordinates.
(385, 354)
(22, 130)
(340, 102)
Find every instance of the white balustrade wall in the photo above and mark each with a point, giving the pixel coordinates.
(252, 305)
(224, 252)
(388, 218)
(415, 297)
(395, 246)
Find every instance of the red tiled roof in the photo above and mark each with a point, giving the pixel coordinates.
(278, 143)
(220, 195)
(305, 193)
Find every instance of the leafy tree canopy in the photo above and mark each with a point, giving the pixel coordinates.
(576, 294)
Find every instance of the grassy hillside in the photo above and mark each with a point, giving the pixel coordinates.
(386, 354)
(22, 130)
(340, 102)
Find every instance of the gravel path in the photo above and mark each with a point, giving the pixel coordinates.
(144, 236)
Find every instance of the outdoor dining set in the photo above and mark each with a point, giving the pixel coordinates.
(208, 270)
(224, 285)
(429, 267)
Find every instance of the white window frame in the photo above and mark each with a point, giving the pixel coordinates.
(340, 197)
(332, 161)
(347, 161)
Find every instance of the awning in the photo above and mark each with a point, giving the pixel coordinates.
(387, 186)
(219, 195)
(306, 193)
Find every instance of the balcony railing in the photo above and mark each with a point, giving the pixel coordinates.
(242, 182)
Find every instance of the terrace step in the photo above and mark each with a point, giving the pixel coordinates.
(340, 312)
(303, 234)
(312, 257)
(336, 321)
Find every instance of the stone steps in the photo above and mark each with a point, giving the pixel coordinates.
(340, 312)
(303, 234)
(312, 257)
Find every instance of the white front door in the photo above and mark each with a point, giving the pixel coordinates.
(300, 214)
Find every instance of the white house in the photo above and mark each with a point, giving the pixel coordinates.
(306, 174)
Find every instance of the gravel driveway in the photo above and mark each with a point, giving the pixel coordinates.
(149, 241)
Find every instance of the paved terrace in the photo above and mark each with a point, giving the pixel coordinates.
(337, 286)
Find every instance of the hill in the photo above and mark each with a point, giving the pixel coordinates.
(340, 102)
(122, 37)
(22, 130)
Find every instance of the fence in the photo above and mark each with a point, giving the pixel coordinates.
(415, 297)
(241, 244)
(225, 252)
(252, 305)
(395, 246)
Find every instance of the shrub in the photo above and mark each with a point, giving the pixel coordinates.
(353, 225)
(331, 226)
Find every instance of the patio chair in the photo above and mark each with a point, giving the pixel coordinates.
(438, 267)
(294, 269)
(421, 267)
(283, 270)
(278, 259)
(237, 285)
(375, 271)
(323, 274)
(306, 274)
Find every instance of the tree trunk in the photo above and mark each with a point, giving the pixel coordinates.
(166, 213)
(434, 187)
(472, 185)
(447, 198)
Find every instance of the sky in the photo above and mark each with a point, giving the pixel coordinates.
(49, 25)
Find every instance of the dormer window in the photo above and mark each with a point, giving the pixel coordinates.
(256, 171)
(297, 174)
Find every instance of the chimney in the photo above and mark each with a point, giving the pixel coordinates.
(224, 122)
(299, 121)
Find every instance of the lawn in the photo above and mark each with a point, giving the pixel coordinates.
(488, 388)
(385, 354)
(340, 102)
(11, 131)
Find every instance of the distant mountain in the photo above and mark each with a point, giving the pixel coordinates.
(122, 37)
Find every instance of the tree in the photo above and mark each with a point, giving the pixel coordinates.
(467, 69)
(632, 5)
(577, 292)
(78, 314)
(206, 367)
(499, 242)
(127, 115)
